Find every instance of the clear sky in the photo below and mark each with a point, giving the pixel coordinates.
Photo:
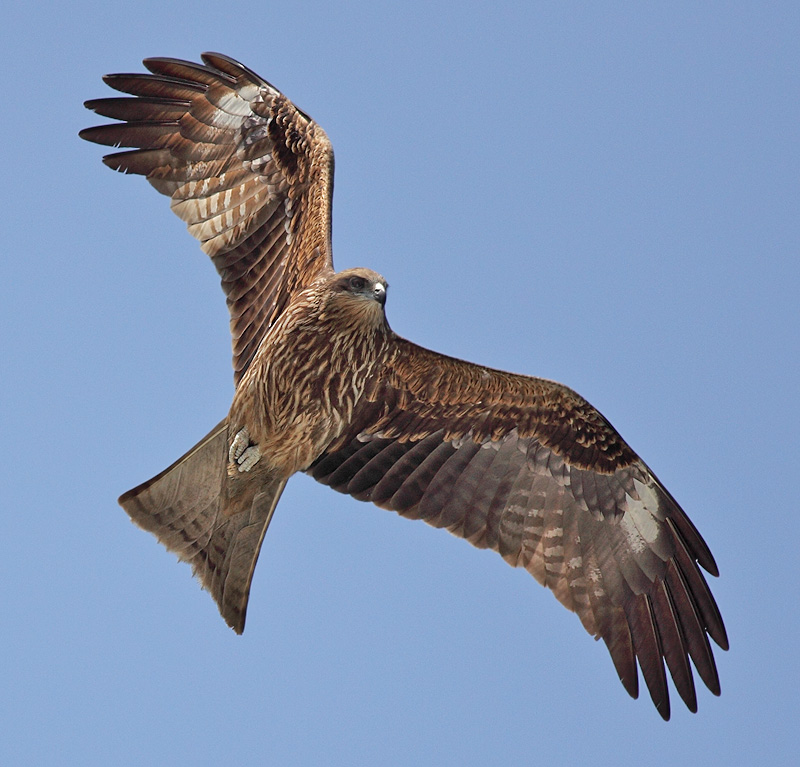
(601, 193)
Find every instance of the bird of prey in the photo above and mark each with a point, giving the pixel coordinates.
(521, 465)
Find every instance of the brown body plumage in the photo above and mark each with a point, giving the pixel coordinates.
(299, 394)
(521, 465)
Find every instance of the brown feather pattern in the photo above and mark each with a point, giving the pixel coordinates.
(250, 174)
(520, 465)
(438, 443)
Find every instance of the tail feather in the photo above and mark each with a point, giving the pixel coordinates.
(214, 522)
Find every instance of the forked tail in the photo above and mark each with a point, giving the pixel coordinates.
(212, 521)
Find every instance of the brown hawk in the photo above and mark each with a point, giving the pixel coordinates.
(522, 465)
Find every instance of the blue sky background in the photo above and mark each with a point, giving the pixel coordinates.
(601, 193)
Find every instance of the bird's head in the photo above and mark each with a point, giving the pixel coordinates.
(360, 284)
(356, 297)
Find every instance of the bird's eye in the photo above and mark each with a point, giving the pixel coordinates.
(357, 283)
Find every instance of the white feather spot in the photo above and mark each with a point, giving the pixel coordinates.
(554, 551)
(632, 535)
(643, 513)
(647, 495)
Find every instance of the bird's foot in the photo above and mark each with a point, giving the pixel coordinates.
(242, 454)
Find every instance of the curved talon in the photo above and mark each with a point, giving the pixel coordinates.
(249, 458)
(240, 443)
(243, 452)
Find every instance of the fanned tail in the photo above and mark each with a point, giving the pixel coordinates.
(214, 522)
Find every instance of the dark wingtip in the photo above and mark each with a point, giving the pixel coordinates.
(709, 564)
(86, 133)
(214, 58)
(100, 134)
(110, 161)
(720, 636)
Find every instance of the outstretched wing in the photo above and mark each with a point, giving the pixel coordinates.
(530, 469)
(250, 174)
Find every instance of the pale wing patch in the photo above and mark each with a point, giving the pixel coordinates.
(646, 512)
(643, 521)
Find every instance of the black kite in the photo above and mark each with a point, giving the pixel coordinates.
(522, 465)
